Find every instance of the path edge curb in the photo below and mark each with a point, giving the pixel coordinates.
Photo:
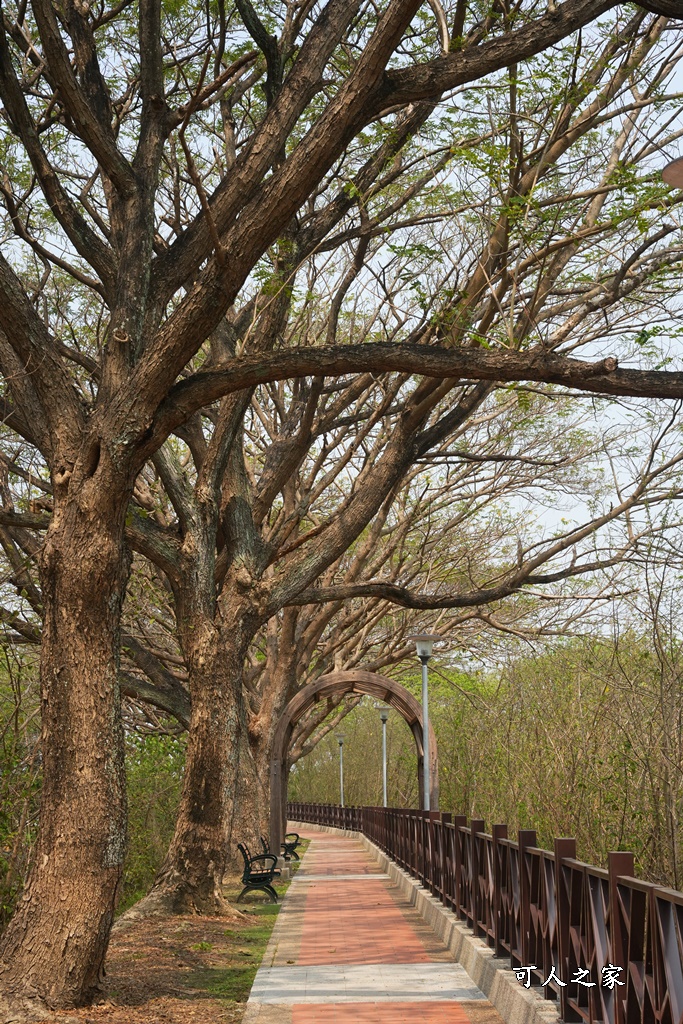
(514, 1003)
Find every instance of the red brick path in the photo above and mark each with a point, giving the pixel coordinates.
(356, 922)
(379, 1013)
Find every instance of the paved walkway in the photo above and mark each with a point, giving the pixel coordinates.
(347, 947)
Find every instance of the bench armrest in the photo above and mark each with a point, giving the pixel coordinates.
(264, 857)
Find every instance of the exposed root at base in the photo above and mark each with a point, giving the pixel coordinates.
(31, 1011)
(162, 903)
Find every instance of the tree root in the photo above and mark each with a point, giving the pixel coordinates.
(30, 1011)
(173, 902)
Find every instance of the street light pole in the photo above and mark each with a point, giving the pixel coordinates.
(384, 715)
(424, 658)
(340, 741)
(424, 643)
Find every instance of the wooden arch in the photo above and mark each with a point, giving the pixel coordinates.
(335, 684)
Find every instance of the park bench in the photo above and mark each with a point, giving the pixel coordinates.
(291, 841)
(289, 845)
(259, 872)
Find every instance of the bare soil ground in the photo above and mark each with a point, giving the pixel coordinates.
(182, 970)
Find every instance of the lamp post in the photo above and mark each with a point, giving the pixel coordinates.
(384, 715)
(424, 643)
(340, 741)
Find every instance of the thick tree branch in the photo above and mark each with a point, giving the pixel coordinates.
(665, 8)
(167, 688)
(268, 45)
(87, 243)
(25, 520)
(93, 85)
(176, 266)
(99, 140)
(160, 546)
(602, 376)
(425, 81)
(24, 413)
(174, 700)
(154, 109)
(35, 348)
(28, 632)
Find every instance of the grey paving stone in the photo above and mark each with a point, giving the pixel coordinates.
(349, 983)
(301, 876)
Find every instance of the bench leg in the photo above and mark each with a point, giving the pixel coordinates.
(258, 888)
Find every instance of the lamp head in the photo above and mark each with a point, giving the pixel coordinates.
(673, 173)
(384, 715)
(340, 738)
(424, 642)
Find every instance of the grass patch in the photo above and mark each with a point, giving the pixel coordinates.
(229, 985)
(241, 955)
(231, 980)
(267, 910)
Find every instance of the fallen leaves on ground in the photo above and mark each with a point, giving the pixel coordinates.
(180, 970)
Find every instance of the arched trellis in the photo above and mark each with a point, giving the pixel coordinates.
(336, 684)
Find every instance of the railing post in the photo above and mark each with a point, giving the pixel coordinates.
(527, 838)
(406, 826)
(476, 826)
(445, 820)
(499, 832)
(434, 840)
(618, 864)
(401, 837)
(564, 849)
(408, 833)
(459, 821)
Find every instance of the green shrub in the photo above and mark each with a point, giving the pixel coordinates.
(154, 767)
(19, 774)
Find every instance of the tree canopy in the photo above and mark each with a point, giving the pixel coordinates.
(259, 263)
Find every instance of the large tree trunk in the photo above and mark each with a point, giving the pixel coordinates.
(250, 812)
(54, 947)
(251, 815)
(191, 875)
(252, 807)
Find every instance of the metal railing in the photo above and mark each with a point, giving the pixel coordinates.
(349, 818)
(606, 945)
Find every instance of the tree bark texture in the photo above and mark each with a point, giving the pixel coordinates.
(250, 812)
(252, 805)
(54, 947)
(190, 878)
